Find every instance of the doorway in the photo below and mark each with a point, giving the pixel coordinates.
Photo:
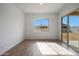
(70, 29)
(65, 29)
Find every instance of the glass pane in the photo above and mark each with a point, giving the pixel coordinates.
(65, 29)
(40, 25)
(74, 31)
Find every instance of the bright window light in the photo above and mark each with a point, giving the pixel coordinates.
(40, 25)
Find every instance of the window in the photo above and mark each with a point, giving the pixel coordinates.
(40, 25)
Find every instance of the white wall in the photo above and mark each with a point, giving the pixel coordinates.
(53, 27)
(11, 26)
(69, 7)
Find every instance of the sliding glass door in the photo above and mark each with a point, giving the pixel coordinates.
(64, 28)
(70, 30)
(74, 33)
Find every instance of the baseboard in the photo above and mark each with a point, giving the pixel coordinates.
(42, 39)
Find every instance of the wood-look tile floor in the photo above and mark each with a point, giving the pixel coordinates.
(40, 48)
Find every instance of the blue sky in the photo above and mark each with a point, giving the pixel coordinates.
(73, 20)
(39, 21)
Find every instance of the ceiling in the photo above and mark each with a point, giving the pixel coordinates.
(74, 12)
(37, 8)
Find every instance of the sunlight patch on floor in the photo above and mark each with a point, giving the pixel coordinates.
(45, 49)
(52, 49)
(59, 49)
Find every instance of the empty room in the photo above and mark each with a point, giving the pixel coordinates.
(39, 29)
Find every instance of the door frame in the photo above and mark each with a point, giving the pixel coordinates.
(67, 29)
